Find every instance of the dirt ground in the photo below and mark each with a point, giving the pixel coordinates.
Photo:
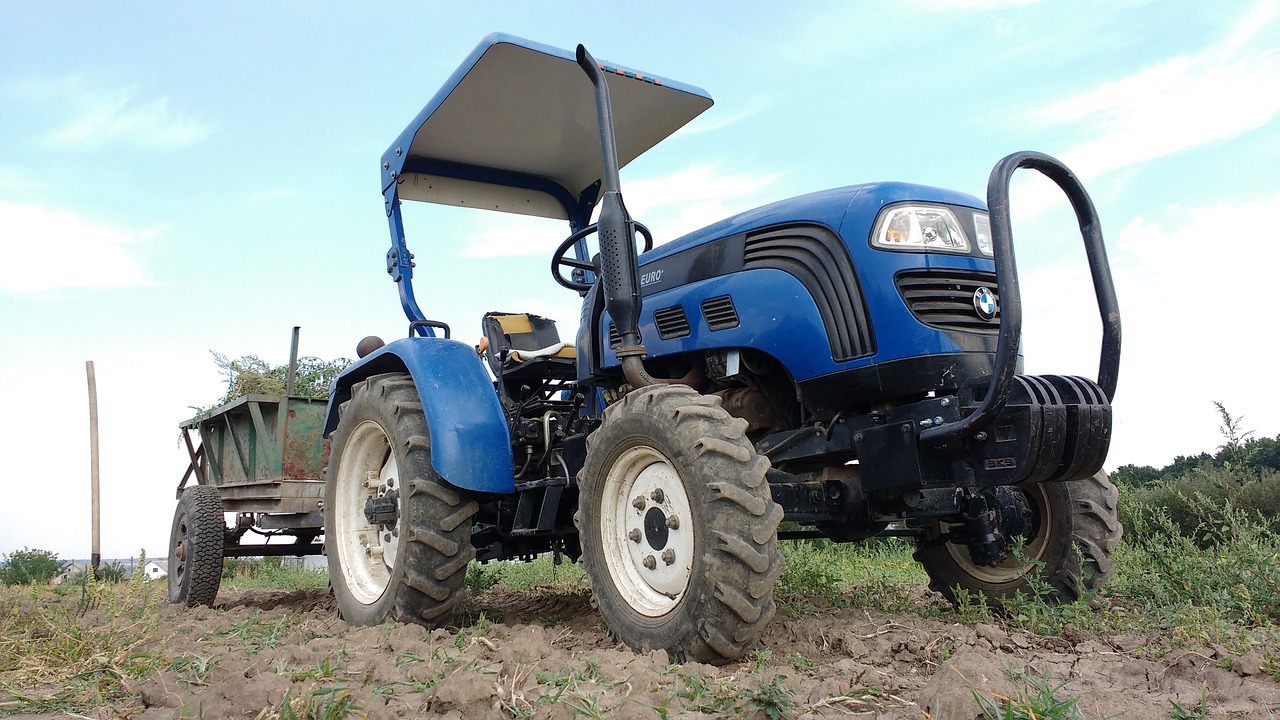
(544, 655)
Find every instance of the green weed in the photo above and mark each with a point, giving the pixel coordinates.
(1198, 712)
(1036, 701)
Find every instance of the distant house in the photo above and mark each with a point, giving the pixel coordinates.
(156, 569)
(68, 572)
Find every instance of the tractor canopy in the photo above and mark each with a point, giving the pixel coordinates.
(514, 129)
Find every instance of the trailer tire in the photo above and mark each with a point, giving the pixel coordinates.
(678, 526)
(1078, 529)
(413, 568)
(195, 547)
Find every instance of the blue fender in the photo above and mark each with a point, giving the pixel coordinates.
(470, 444)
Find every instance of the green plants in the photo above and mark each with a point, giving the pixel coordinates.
(193, 669)
(1038, 700)
(772, 698)
(27, 566)
(1196, 712)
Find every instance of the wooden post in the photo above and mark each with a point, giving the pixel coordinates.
(96, 556)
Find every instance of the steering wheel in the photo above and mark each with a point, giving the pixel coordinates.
(560, 258)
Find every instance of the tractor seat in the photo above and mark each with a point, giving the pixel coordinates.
(520, 344)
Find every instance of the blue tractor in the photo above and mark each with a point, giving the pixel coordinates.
(842, 365)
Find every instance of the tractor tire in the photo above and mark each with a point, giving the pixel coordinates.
(408, 565)
(678, 526)
(195, 547)
(1076, 530)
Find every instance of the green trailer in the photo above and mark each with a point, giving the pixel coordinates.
(260, 458)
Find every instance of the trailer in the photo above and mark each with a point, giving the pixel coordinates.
(261, 458)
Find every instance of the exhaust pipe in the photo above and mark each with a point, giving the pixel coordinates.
(617, 238)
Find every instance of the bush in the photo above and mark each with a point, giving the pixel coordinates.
(1229, 561)
(1198, 499)
(27, 566)
(270, 572)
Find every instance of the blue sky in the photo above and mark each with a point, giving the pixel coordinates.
(177, 179)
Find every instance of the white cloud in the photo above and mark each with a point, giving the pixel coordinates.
(710, 122)
(1196, 295)
(669, 206)
(692, 198)
(969, 5)
(1185, 102)
(120, 117)
(45, 250)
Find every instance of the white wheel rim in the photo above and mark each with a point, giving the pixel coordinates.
(646, 531)
(1012, 568)
(366, 552)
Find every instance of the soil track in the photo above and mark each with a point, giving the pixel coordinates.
(544, 654)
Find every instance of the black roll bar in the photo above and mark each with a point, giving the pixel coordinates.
(1011, 298)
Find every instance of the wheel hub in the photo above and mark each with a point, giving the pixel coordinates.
(647, 531)
(367, 514)
(655, 528)
(383, 510)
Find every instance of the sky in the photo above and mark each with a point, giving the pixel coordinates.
(179, 179)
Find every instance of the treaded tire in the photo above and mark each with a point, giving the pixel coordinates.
(195, 547)
(417, 573)
(1073, 514)
(692, 447)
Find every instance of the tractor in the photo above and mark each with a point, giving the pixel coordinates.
(841, 365)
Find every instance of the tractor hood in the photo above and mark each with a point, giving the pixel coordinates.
(514, 129)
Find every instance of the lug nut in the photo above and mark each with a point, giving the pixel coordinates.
(980, 436)
(373, 551)
(668, 556)
(673, 522)
(372, 481)
(638, 503)
(649, 562)
(634, 535)
(658, 495)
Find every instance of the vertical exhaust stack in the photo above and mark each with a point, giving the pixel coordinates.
(617, 237)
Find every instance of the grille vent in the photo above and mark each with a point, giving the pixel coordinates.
(944, 299)
(672, 322)
(818, 258)
(720, 313)
(615, 339)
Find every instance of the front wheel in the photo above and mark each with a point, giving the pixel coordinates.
(678, 526)
(397, 536)
(1076, 529)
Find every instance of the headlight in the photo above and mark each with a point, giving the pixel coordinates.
(922, 227)
(982, 228)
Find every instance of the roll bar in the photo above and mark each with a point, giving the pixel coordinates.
(1010, 294)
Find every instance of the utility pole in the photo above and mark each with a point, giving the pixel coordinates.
(96, 558)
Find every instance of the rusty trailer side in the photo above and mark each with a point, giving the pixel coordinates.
(266, 455)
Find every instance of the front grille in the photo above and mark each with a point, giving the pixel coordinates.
(720, 313)
(671, 322)
(819, 260)
(943, 298)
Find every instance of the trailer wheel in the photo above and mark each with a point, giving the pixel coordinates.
(195, 547)
(1076, 530)
(398, 537)
(678, 526)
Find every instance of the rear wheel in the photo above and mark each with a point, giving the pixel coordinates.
(1076, 530)
(397, 536)
(678, 526)
(195, 547)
